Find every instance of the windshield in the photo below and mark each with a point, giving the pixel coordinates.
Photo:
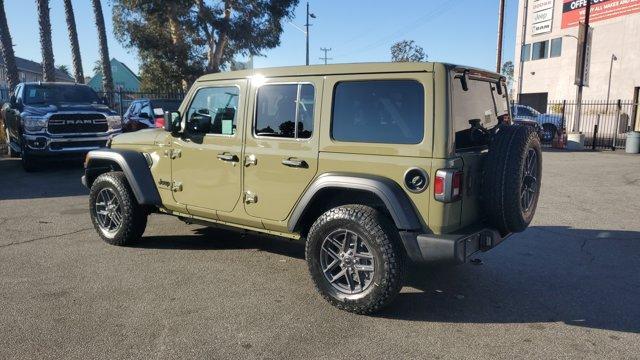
(48, 94)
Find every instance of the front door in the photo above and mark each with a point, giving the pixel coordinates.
(281, 151)
(206, 169)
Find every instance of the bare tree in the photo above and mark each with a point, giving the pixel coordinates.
(107, 78)
(6, 45)
(407, 51)
(73, 40)
(48, 67)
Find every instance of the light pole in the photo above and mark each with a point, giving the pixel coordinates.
(313, 16)
(613, 58)
(500, 32)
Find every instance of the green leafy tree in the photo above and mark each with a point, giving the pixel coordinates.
(407, 51)
(179, 40)
(507, 72)
(64, 69)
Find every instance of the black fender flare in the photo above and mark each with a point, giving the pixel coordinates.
(134, 166)
(402, 211)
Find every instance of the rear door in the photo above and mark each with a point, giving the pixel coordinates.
(281, 147)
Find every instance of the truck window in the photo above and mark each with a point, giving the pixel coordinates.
(480, 104)
(218, 106)
(379, 111)
(285, 110)
(45, 94)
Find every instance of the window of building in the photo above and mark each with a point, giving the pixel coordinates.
(556, 47)
(285, 110)
(526, 52)
(380, 111)
(214, 110)
(540, 50)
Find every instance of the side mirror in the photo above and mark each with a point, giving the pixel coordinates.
(172, 121)
(13, 101)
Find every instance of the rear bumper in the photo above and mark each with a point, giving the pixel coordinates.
(450, 248)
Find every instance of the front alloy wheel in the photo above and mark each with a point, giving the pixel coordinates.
(108, 211)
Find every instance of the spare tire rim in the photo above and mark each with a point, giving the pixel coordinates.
(108, 211)
(529, 180)
(347, 262)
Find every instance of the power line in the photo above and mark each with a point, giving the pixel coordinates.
(325, 58)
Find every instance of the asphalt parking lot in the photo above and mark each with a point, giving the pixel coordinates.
(568, 287)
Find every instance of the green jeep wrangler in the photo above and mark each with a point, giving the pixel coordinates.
(372, 165)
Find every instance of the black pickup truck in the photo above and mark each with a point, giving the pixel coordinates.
(47, 120)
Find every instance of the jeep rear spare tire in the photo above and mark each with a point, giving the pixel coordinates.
(513, 172)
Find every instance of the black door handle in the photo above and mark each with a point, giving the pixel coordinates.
(228, 157)
(293, 162)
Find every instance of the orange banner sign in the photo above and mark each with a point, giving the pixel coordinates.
(573, 11)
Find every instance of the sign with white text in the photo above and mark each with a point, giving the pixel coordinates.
(573, 11)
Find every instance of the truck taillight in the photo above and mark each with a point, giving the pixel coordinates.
(447, 185)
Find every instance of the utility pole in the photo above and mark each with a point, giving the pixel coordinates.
(583, 62)
(325, 58)
(307, 32)
(500, 32)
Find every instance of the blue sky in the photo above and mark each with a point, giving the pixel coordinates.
(458, 31)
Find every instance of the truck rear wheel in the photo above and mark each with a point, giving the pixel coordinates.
(512, 178)
(354, 258)
(115, 213)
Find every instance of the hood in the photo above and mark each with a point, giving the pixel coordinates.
(42, 110)
(141, 137)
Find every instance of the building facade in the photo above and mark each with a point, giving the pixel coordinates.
(124, 79)
(29, 71)
(547, 45)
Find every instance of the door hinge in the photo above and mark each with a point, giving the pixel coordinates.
(176, 153)
(177, 186)
(250, 198)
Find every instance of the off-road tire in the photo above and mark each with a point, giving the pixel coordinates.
(503, 178)
(388, 255)
(134, 216)
(29, 164)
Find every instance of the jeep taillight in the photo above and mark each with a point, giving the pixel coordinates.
(447, 185)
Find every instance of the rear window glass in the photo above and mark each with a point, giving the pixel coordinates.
(379, 111)
(285, 110)
(481, 104)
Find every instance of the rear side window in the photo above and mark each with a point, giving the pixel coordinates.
(285, 111)
(379, 111)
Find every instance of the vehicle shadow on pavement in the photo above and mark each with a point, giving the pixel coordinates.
(52, 179)
(207, 238)
(587, 278)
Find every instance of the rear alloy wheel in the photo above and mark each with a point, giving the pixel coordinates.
(355, 258)
(115, 213)
(549, 133)
(10, 151)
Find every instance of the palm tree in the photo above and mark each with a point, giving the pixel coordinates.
(73, 39)
(48, 67)
(107, 78)
(6, 46)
